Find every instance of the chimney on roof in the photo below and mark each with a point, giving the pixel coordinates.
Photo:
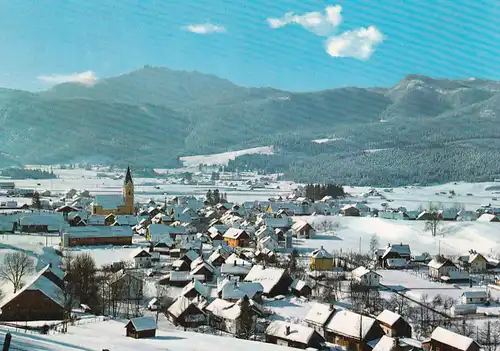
(332, 308)
(287, 330)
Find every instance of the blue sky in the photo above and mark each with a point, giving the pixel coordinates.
(250, 42)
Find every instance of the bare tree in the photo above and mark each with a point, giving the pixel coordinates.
(489, 336)
(374, 244)
(433, 223)
(16, 266)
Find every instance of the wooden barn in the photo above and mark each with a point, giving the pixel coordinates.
(141, 327)
(39, 299)
(97, 235)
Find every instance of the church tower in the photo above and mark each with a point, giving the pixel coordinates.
(128, 192)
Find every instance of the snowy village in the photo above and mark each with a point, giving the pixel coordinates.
(99, 259)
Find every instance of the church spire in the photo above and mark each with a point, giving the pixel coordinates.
(128, 177)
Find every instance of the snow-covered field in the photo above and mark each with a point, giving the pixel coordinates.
(456, 237)
(223, 158)
(111, 335)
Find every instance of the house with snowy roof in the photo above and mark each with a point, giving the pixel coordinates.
(269, 243)
(488, 218)
(233, 290)
(300, 288)
(321, 260)
(235, 237)
(97, 235)
(476, 262)
(387, 343)
(204, 269)
(441, 266)
(39, 299)
(141, 258)
(302, 229)
(393, 324)
(293, 335)
(226, 316)
(141, 327)
(474, 297)
(196, 289)
(352, 330)
(185, 313)
(365, 276)
(275, 281)
(446, 340)
(318, 316)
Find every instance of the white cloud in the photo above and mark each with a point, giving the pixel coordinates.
(88, 78)
(319, 23)
(205, 28)
(359, 43)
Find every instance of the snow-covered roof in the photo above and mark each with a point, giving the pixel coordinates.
(42, 284)
(475, 294)
(268, 277)
(452, 339)
(438, 263)
(347, 323)
(143, 323)
(386, 343)
(299, 284)
(200, 288)
(206, 265)
(231, 268)
(179, 306)
(192, 255)
(237, 290)
(296, 332)
(224, 309)
(401, 249)
(99, 231)
(233, 233)
(319, 314)
(321, 253)
(139, 251)
(486, 217)
(299, 225)
(396, 262)
(109, 202)
(475, 256)
(388, 317)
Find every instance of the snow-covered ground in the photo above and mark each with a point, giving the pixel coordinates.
(223, 158)
(350, 232)
(111, 335)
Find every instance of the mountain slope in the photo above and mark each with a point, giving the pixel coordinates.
(155, 115)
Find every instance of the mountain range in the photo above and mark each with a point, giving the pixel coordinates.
(422, 130)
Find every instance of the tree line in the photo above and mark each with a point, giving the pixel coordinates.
(319, 191)
(215, 197)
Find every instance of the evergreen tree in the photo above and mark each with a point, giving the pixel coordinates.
(317, 192)
(35, 201)
(246, 316)
(210, 197)
(216, 196)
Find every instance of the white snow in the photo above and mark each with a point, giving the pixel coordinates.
(111, 335)
(347, 323)
(325, 140)
(388, 317)
(318, 314)
(223, 158)
(455, 340)
(268, 276)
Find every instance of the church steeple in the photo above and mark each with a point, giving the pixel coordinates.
(128, 177)
(128, 192)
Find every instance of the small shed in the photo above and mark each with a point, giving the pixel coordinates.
(141, 327)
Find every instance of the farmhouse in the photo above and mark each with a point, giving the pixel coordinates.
(477, 263)
(321, 260)
(275, 281)
(445, 340)
(185, 313)
(293, 335)
(87, 236)
(393, 324)
(318, 316)
(226, 316)
(141, 258)
(302, 229)
(365, 276)
(441, 266)
(474, 297)
(235, 237)
(141, 327)
(39, 299)
(352, 330)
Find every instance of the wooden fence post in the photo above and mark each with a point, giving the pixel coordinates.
(6, 343)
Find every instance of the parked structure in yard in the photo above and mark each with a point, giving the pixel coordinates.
(321, 260)
(141, 327)
(394, 325)
(446, 340)
(293, 335)
(474, 297)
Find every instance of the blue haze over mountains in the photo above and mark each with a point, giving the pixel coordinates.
(422, 130)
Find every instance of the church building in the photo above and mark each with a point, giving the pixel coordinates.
(119, 204)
